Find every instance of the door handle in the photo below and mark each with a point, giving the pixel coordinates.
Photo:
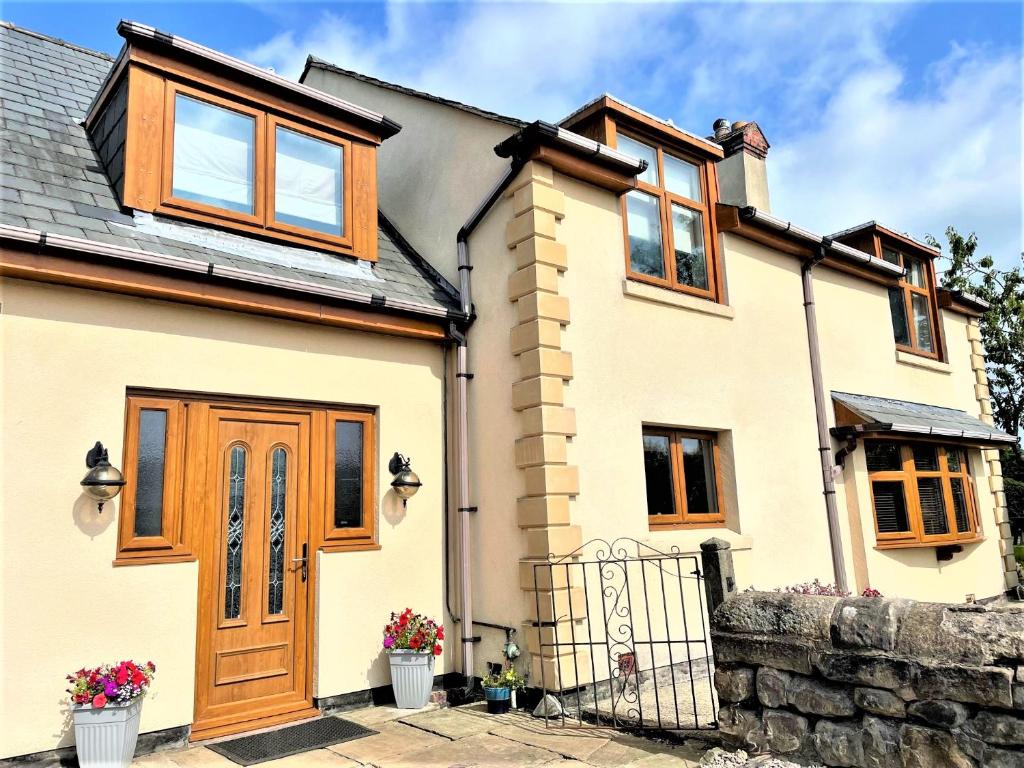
(304, 560)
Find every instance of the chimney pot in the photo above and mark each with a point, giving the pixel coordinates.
(721, 127)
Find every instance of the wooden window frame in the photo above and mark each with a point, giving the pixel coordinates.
(666, 200)
(273, 123)
(343, 539)
(262, 220)
(682, 517)
(908, 476)
(170, 545)
(908, 290)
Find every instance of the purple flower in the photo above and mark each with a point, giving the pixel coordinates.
(388, 642)
(110, 688)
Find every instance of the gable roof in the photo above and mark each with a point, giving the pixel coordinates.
(313, 62)
(52, 183)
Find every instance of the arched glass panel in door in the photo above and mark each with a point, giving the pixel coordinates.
(235, 533)
(276, 539)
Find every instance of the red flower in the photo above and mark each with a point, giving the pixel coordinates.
(440, 633)
(403, 620)
(415, 642)
(122, 676)
(99, 701)
(437, 650)
(138, 678)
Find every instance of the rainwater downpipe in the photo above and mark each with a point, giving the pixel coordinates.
(824, 442)
(462, 378)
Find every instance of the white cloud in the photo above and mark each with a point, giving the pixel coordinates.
(950, 156)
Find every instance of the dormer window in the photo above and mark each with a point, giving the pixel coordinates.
(189, 133)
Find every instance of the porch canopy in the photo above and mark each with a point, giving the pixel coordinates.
(863, 415)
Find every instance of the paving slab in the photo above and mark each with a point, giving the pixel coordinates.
(318, 758)
(481, 751)
(392, 741)
(572, 743)
(371, 716)
(452, 723)
(197, 757)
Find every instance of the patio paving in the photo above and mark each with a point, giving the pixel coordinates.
(463, 737)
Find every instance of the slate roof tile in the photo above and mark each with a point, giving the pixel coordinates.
(51, 179)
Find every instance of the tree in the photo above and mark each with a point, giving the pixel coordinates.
(1002, 333)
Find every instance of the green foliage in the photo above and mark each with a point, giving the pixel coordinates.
(1002, 326)
(508, 678)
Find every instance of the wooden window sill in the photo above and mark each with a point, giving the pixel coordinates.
(919, 361)
(929, 544)
(154, 559)
(668, 297)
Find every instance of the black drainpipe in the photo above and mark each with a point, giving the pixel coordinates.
(824, 442)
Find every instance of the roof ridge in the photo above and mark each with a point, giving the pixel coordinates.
(56, 40)
(315, 61)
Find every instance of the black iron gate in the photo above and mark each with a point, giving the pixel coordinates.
(623, 640)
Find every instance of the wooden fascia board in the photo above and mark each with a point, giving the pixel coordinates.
(61, 270)
(583, 169)
(948, 301)
(905, 243)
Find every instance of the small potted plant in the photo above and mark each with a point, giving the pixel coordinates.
(106, 703)
(411, 641)
(498, 689)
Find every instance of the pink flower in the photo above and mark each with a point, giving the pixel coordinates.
(99, 701)
(388, 642)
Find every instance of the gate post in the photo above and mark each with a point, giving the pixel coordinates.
(719, 576)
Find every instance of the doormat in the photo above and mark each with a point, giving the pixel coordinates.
(293, 740)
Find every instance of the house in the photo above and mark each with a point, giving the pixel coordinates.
(262, 296)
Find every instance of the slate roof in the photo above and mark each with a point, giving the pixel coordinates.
(882, 414)
(52, 180)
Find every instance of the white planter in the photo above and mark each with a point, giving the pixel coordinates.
(105, 738)
(412, 677)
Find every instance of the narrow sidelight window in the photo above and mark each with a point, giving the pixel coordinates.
(921, 492)
(278, 535)
(682, 477)
(668, 228)
(308, 182)
(150, 525)
(234, 531)
(214, 155)
(350, 520)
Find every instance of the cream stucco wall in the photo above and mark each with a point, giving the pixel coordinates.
(67, 357)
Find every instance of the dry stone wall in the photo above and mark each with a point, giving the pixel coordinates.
(871, 682)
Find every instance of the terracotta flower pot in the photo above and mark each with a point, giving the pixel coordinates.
(106, 738)
(412, 677)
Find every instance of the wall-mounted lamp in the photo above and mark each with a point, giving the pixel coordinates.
(406, 482)
(102, 482)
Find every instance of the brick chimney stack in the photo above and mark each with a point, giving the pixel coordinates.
(742, 173)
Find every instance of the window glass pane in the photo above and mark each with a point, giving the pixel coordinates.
(643, 222)
(348, 474)
(699, 474)
(642, 151)
(149, 483)
(963, 519)
(891, 256)
(235, 533)
(953, 459)
(916, 272)
(890, 506)
(926, 458)
(883, 457)
(658, 471)
(278, 496)
(933, 506)
(922, 322)
(688, 241)
(213, 155)
(898, 312)
(308, 182)
(681, 177)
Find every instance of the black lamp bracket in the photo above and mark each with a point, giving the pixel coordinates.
(97, 455)
(398, 464)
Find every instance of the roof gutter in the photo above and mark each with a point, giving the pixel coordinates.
(539, 132)
(814, 241)
(77, 245)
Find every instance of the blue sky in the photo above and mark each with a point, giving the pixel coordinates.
(905, 113)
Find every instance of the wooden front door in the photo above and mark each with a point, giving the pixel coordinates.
(251, 658)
